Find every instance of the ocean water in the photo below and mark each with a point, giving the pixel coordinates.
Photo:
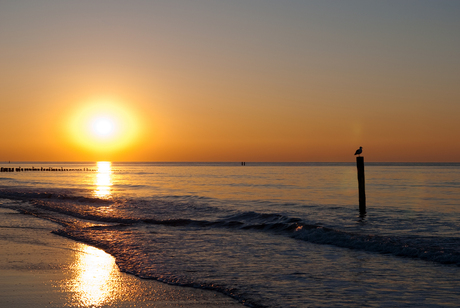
(266, 234)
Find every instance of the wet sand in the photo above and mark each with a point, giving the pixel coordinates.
(40, 269)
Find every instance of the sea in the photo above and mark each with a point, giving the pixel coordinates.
(265, 234)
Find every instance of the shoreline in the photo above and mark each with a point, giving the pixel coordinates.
(41, 269)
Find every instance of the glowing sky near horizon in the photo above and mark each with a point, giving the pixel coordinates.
(230, 80)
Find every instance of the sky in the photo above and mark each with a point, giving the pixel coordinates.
(236, 80)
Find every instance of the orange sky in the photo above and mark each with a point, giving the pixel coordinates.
(231, 80)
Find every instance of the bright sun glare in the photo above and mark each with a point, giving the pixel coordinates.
(104, 125)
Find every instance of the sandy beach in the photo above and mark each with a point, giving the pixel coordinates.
(40, 269)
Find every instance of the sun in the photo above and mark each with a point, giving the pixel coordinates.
(103, 126)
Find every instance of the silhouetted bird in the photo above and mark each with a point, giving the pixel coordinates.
(359, 151)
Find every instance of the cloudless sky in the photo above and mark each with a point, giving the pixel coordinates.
(230, 80)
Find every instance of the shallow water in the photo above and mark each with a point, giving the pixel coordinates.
(275, 235)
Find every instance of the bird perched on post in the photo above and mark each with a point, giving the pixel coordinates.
(359, 151)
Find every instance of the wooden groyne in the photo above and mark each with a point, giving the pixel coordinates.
(50, 169)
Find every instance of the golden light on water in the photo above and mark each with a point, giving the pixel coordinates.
(103, 126)
(96, 280)
(103, 179)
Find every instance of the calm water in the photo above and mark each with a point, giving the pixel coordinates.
(274, 235)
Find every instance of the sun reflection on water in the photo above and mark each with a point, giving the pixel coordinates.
(95, 282)
(103, 179)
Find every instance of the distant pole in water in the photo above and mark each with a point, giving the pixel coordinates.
(361, 187)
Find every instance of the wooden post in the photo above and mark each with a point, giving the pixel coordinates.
(361, 186)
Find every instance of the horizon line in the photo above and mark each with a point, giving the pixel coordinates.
(236, 162)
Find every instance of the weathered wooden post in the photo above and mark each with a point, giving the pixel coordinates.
(361, 186)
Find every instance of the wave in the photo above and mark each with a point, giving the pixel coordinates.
(444, 250)
(57, 194)
(135, 231)
(441, 250)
